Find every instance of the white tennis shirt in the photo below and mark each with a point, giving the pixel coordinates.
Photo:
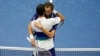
(48, 24)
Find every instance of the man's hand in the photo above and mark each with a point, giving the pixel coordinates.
(33, 43)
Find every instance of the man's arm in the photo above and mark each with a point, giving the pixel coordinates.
(31, 35)
(58, 14)
(46, 31)
(50, 34)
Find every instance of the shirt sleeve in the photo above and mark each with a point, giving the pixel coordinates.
(55, 20)
(54, 27)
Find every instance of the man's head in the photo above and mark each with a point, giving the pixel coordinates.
(40, 9)
(48, 8)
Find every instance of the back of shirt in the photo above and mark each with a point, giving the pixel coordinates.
(46, 23)
(42, 39)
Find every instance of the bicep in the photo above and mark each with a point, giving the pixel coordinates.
(56, 20)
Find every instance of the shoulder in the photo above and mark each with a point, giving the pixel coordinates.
(35, 16)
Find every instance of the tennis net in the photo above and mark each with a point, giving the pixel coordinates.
(22, 51)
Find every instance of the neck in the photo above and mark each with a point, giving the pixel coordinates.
(41, 16)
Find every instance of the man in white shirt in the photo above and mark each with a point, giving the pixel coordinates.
(42, 28)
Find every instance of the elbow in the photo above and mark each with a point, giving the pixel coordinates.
(50, 35)
(62, 19)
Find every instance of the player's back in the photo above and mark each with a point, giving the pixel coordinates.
(42, 39)
(46, 23)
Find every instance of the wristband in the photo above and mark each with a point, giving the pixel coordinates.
(31, 37)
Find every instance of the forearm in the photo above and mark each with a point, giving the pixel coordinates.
(33, 43)
(50, 34)
(60, 15)
(31, 35)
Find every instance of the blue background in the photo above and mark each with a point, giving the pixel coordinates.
(81, 27)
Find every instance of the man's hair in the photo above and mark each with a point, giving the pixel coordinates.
(47, 4)
(40, 9)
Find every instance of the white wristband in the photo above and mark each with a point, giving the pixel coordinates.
(31, 37)
(54, 11)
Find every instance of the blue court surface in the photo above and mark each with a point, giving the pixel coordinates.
(81, 28)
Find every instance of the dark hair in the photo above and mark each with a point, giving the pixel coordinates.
(40, 9)
(47, 4)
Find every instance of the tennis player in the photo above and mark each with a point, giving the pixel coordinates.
(48, 11)
(49, 7)
(42, 28)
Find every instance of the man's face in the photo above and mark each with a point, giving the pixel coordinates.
(48, 11)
